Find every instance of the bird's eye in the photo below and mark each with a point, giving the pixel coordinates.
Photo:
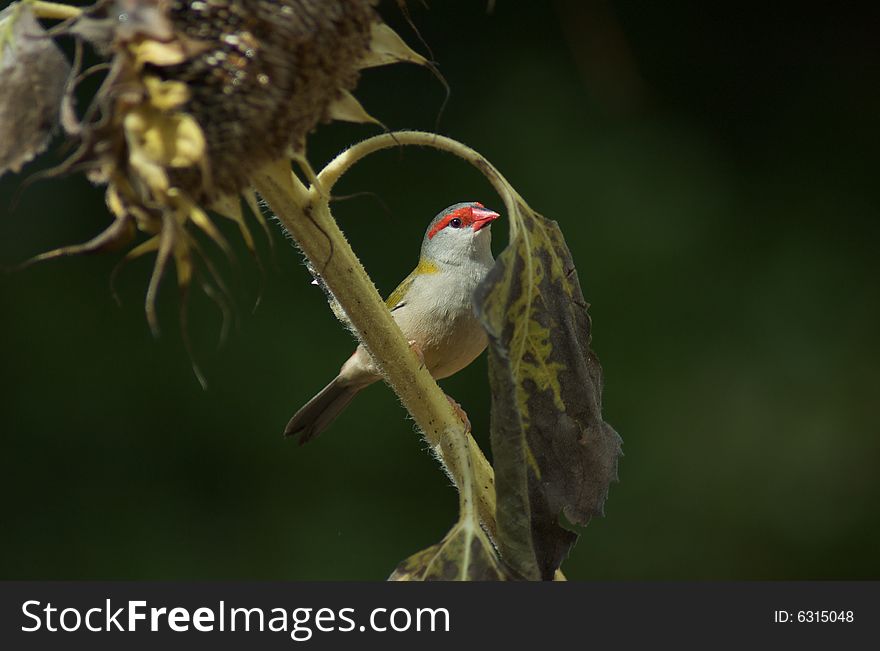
(455, 222)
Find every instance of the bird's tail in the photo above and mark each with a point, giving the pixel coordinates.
(317, 414)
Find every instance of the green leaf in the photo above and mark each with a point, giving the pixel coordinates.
(465, 554)
(553, 453)
(33, 76)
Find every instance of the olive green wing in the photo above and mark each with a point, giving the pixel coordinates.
(396, 299)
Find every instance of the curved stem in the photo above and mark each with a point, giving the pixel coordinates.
(484, 474)
(344, 161)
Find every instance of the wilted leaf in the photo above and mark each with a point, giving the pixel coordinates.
(554, 456)
(465, 554)
(33, 75)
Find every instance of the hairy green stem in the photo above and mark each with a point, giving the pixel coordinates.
(305, 213)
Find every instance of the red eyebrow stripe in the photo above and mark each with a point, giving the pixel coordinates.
(465, 214)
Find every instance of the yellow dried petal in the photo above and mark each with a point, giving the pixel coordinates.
(153, 142)
(166, 140)
(166, 95)
(189, 142)
(157, 53)
(134, 123)
(114, 203)
(149, 246)
(151, 173)
(200, 218)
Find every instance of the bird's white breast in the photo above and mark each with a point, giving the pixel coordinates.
(437, 313)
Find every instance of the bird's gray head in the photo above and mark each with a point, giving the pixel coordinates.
(459, 233)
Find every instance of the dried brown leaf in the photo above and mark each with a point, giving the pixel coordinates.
(554, 454)
(33, 76)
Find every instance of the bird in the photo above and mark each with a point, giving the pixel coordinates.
(433, 307)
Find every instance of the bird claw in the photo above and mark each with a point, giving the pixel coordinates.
(418, 352)
(460, 413)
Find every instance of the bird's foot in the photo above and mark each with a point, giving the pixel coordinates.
(461, 413)
(418, 352)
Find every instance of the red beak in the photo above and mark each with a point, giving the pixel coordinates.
(483, 217)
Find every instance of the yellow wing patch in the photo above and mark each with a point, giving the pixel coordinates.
(424, 267)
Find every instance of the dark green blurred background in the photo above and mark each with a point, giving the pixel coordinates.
(715, 171)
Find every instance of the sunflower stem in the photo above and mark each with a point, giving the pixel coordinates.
(484, 474)
(306, 216)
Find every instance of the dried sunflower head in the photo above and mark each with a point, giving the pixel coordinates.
(199, 94)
